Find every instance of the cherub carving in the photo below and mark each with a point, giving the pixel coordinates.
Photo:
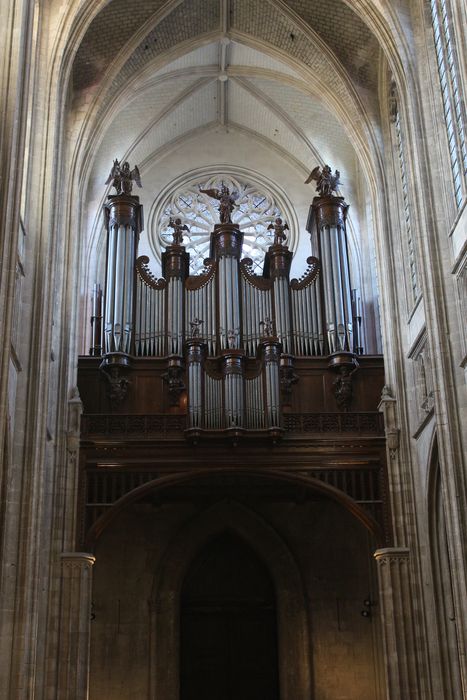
(117, 384)
(326, 182)
(226, 202)
(122, 177)
(279, 228)
(178, 231)
(195, 327)
(232, 336)
(268, 328)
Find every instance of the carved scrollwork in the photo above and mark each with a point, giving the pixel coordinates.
(309, 276)
(145, 274)
(199, 281)
(247, 270)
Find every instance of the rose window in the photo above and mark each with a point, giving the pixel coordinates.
(255, 210)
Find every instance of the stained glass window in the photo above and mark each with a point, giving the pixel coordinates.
(255, 209)
(454, 114)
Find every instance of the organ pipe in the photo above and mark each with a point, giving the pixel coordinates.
(329, 213)
(123, 215)
(236, 332)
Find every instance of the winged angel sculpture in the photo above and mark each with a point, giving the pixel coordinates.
(122, 177)
(226, 202)
(326, 182)
(178, 229)
(279, 231)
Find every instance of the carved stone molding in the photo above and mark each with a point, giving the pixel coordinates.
(77, 560)
(388, 407)
(393, 100)
(389, 556)
(75, 409)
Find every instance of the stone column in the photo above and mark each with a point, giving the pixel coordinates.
(399, 639)
(73, 669)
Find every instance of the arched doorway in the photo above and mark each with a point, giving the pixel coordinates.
(230, 546)
(228, 628)
(315, 552)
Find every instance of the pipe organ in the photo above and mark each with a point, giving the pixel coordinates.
(230, 336)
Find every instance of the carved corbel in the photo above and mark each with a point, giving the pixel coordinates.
(344, 364)
(117, 382)
(387, 406)
(288, 376)
(75, 409)
(174, 379)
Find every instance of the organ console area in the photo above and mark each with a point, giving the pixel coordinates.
(228, 364)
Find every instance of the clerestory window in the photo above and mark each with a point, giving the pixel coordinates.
(454, 113)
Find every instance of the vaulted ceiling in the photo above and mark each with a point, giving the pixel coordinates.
(244, 78)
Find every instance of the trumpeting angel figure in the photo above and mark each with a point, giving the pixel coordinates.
(326, 182)
(279, 231)
(122, 177)
(226, 202)
(178, 230)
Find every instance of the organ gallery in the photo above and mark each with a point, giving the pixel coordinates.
(228, 393)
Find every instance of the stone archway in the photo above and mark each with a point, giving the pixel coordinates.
(293, 625)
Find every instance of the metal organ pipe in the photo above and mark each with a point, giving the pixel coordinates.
(123, 224)
(330, 214)
(150, 311)
(271, 357)
(195, 371)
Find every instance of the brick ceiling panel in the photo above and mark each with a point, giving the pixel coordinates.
(195, 111)
(316, 122)
(248, 16)
(135, 117)
(242, 55)
(203, 56)
(345, 33)
(247, 111)
(187, 21)
(106, 36)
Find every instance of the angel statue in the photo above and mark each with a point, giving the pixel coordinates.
(178, 230)
(122, 177)
(279, 228)
(195, 327)
(226, 202)
(326, 182)
(268, 328)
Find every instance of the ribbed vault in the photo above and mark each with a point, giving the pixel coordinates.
(275, 87)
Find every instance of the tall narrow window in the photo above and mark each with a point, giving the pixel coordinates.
(412, 272)
(454, 114)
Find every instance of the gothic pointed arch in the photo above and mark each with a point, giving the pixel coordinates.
(293, 625)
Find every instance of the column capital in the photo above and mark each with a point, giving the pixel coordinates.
(77, 559)
(390, 555)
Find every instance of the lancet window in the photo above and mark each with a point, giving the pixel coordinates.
(454, 113)
(412, 272)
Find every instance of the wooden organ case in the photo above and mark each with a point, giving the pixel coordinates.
(229, 372)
